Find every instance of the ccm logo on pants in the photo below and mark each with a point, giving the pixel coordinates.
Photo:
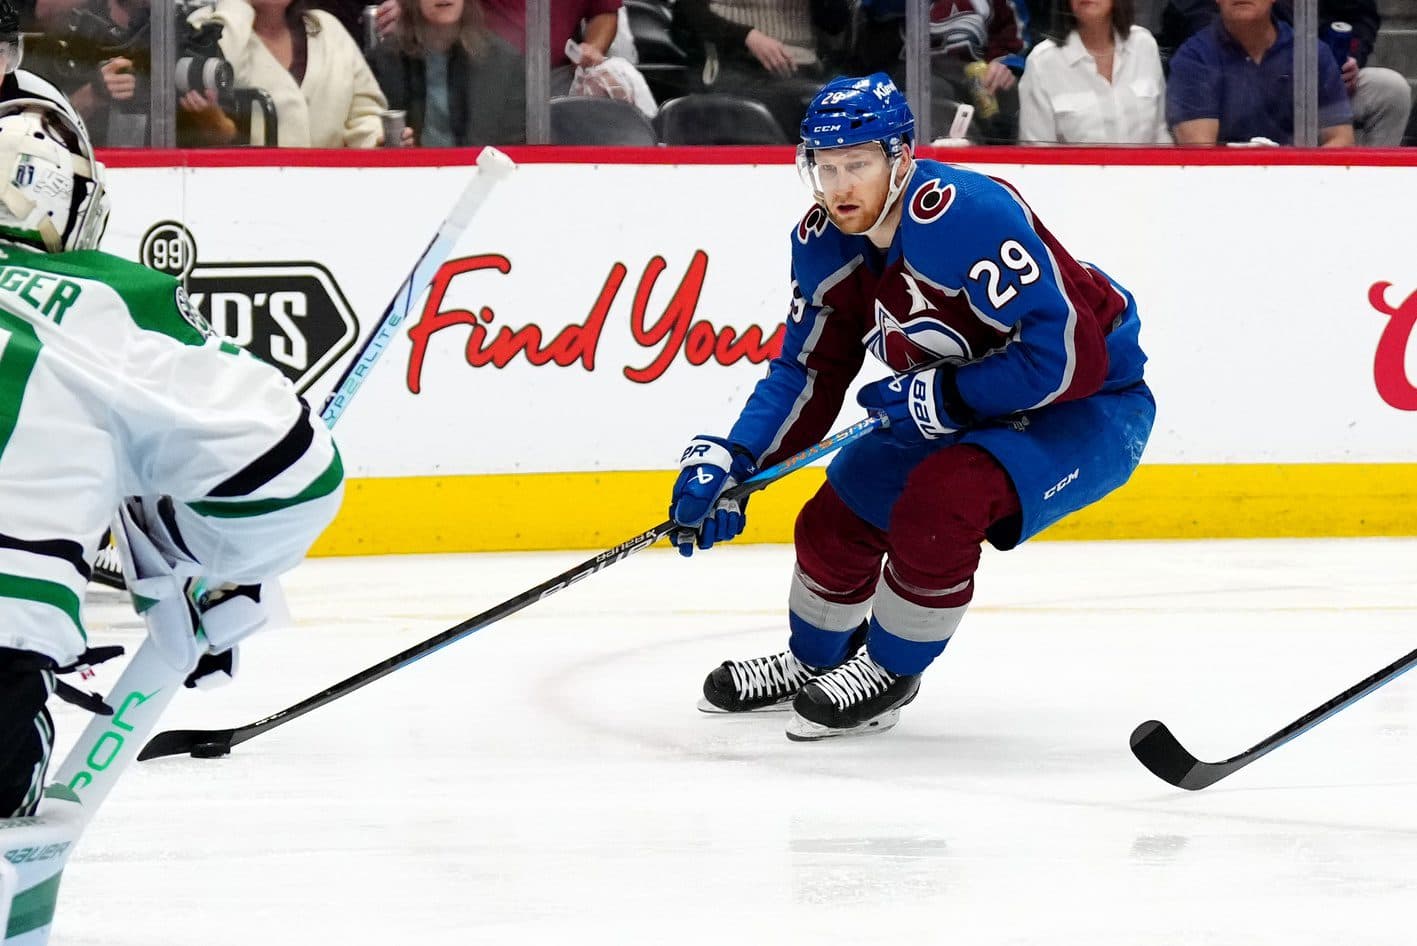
(1058, 487)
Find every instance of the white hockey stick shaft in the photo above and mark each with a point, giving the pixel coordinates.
(110, 743)
(492, 166)
(34, 851)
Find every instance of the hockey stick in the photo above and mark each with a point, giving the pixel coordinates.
(35, 851)
(1157, 749)
(492, 167)
(210, 743)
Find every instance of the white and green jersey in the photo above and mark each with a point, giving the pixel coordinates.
(110, 386)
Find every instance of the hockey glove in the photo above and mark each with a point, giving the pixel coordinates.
(214, 671)
(916, 405)
(709, 467)
(229, 614)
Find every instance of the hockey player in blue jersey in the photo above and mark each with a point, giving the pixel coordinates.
(1017, 398)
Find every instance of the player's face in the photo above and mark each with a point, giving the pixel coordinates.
(854, 183)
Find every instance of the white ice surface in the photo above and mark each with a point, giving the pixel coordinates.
(548, 780)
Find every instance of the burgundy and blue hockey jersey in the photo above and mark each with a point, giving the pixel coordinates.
(973, 279)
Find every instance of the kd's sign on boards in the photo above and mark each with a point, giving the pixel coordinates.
(290, 314)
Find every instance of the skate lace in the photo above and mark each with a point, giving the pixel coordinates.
(856, 680)
(768, 676)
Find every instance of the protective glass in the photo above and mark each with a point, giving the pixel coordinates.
(834, 169)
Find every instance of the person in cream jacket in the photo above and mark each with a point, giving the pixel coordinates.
(324, 92)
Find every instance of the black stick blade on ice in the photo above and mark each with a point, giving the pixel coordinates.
(198, 743)
(1168, 760)
(1165, 757)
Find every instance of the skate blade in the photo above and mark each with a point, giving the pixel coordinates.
(804, 730)
(706, 707)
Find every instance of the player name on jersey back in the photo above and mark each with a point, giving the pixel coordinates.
(46, 294)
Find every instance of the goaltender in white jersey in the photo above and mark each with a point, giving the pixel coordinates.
(114, 393)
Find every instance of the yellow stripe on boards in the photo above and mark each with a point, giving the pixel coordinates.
(597, 510)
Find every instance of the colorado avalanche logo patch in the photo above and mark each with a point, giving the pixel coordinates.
(814, 224)
(931, 200)
(916, 343)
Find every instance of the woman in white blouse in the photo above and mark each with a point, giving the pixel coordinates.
(1101, 85)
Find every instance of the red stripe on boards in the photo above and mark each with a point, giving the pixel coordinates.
(550, 154)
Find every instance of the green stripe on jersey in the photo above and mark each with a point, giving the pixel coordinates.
(19, 348)
(150, 296)
(45, 592)
(324, 484)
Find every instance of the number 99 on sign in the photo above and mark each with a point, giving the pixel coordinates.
(169, 248)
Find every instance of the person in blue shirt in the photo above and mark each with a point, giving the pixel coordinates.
(1017, 399)
(1233, 82)
(1381, 98)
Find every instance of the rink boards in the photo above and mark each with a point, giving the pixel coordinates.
(595, 316)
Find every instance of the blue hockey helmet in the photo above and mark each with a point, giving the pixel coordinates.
(858, 110)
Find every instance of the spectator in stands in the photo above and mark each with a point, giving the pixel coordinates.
(1101, 83)
(1231, 83)
(460, 83)
(105, 89)
(972, 45)
(779, 53)
(507, 18)
(325, 95)
(1381, 98)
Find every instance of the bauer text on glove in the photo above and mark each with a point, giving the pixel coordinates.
(709, 467)
(918, 405)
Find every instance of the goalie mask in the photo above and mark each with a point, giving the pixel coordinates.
(51, 185)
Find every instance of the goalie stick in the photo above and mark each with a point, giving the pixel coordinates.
(492, 166)
(1162, 753)
(34, 851)
(210, 743)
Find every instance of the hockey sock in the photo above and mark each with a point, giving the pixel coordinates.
(838, 563)
(906, 635)
(821, 628)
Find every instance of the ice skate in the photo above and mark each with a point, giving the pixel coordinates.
(762, 684)
(857, 698)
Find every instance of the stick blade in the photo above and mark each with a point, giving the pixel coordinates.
(198, 743)
(1164, 756)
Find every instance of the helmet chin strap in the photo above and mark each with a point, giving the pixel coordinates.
(893, 194)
